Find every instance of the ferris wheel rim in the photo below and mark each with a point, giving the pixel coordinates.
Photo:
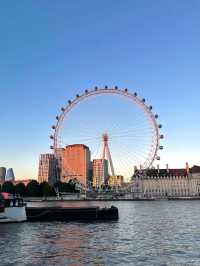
(147, 110)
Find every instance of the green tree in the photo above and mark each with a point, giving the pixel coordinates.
(33, 189)
(66, 187)
(8, 187)
(47, 190)
(59, 186)
(53, 192)
(20, 189)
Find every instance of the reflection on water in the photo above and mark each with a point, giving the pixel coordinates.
(147, 233)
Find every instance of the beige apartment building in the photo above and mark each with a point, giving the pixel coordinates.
(47, 168)
(100, 172)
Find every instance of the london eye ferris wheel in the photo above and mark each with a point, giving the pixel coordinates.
(115, 124)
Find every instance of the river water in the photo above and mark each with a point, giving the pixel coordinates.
(147, 233)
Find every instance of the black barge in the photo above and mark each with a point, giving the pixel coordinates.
(71, 214)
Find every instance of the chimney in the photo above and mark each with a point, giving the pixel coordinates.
(187, 167)
(135, 168)
(158, 168)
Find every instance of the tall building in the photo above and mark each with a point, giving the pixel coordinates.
(2, 174)
(10, 175)
(100, 172)
(76, 163)
(47, 168)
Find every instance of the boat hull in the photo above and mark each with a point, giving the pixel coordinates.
(13, 215)
(71, 214)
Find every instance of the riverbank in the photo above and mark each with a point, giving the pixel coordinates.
(54, 199)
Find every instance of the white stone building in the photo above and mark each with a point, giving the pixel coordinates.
(168, 183)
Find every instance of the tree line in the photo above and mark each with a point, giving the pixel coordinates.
(35, 189)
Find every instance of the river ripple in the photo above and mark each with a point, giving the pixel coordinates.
(147, 233)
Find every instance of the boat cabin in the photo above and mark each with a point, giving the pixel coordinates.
(7, 201)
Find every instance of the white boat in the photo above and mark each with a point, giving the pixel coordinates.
(12, 209)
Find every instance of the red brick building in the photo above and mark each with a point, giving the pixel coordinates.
(76, 163)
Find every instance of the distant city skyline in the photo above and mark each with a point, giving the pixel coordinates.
(52, 51)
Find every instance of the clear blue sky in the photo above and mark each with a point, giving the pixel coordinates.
(51, 50)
